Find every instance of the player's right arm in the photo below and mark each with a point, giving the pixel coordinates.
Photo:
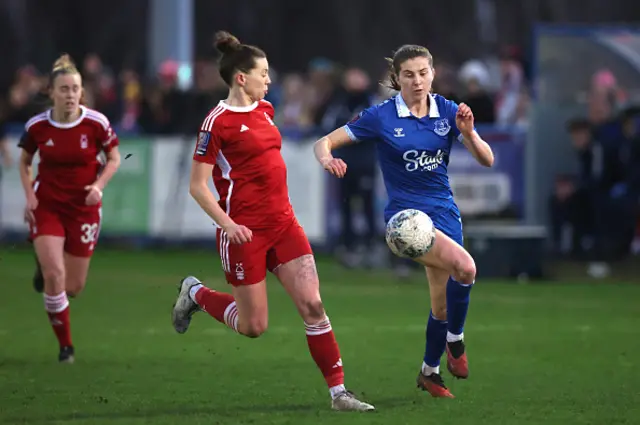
(204, 159)
(29, 148)
(364, 127)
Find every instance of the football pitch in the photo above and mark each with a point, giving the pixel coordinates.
(541, 353)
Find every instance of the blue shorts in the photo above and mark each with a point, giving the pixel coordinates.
(449, 222)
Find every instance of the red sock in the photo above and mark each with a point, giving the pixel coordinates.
(325, 351)
(219, 305)
(57, 307)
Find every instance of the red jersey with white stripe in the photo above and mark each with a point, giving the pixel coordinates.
(243, 144)
(69, 156)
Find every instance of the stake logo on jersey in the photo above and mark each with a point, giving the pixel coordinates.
(423, 160)
(413, 151)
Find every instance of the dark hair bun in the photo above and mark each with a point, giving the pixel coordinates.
(226, 43)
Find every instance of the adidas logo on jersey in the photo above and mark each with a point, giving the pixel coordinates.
(243, 128)
(49, 143)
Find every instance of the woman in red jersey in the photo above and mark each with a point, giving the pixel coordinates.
(63, 202)
(239, 145)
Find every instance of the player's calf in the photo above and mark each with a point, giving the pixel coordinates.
(38, 278)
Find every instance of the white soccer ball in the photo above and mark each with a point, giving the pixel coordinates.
(410, 234)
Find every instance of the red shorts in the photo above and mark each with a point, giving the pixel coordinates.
(80, 230)
(247, 264)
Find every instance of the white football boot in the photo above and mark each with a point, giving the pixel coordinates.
(185, 307)
(347, 402)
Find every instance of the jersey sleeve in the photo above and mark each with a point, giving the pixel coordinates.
(365, 126)
(108, 138)
(269, 109)
(27, 142)
(453, 111)
(208, 145)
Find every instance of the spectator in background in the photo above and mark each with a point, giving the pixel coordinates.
(570, 209)
(131, 100)
(348, 101)
(208, 90)
(294, 110)
(320, 88)
(511, 89)
(165, 109)
(100, 87)
(445, 84)
(475, 78)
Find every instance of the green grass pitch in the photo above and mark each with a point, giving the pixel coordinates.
(540, 353)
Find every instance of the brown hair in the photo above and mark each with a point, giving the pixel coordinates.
(235, 56)
(400, 56)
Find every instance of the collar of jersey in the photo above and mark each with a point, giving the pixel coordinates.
(247, 108)
(65, 125)
(403, 109)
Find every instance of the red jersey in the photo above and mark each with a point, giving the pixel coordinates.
(249, 173)
(68, 156)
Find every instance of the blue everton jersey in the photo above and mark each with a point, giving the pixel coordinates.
(413, 152)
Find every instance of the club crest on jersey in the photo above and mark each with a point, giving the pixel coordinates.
(203, 143)
(84, 141)
(442, 127)
(398, 132)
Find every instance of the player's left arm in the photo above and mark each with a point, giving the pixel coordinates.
(109, 141)
(468, 135)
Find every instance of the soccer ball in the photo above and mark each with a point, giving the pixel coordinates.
(410, 234)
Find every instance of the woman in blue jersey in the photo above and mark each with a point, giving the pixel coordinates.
(414, 132)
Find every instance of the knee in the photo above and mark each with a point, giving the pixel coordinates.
(254, 327)
(74, 288)
(54, 278)
(465, 270)
(312, 311)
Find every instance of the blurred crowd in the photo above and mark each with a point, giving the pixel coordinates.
(324, 96)
(497, 93)
(594, 213)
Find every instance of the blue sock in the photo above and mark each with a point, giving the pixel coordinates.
(457, 305)
(436, 341)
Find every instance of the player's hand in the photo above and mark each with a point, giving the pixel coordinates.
(464, 119)
(94, 196)
(335, 166)
(238, 234)
(32, 204)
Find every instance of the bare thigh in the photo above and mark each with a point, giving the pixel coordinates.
(50, 252)
(447, 255)
(253, 309)
(77, 270)
(299, 277)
